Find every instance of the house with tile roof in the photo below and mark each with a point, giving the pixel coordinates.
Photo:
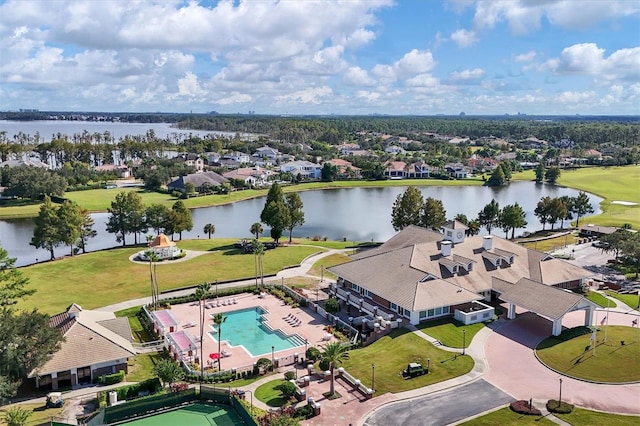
(201, 181)
(421, 274)
(95, 343)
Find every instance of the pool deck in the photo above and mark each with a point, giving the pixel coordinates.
(311, 328)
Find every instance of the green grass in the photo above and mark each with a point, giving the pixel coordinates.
(600, 300)
(449, 331)
(612, 363)
(505, 416)
(631, 300)
(326, 262)
(581, 416)
(141, 366)
(106, 277)
(550, 244)
(39, 414)
(268, 393)
(393, 352)
(326, 244)
(140, 334)
(610, 183)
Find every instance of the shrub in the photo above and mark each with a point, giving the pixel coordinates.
(287, 389)
(289, 375)
(111, 379)
(522, 407)
(313, 353)
(304, 412)
(324, 365)
(332, 305)
(265, 363)
(554, 406)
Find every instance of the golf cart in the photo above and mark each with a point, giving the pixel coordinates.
(55, 400)
(414, 369)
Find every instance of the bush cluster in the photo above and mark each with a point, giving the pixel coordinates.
(111, 379)
(192, 298)
(554, 406)
(522, 407)
(222, 377)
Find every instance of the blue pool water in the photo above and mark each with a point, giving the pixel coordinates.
(246, 328)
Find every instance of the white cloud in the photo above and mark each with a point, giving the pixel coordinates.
(466, 75)
(356, 76)
(464, 38)
(234, 98)
(575, 97)
(413, 63)
(312, 95)
(368, 96)
(526, 57)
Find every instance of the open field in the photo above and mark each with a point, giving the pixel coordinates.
(613, 361)
(505, 416)
(449, 331)
(393, 352)
(610, 183)
(106, 277)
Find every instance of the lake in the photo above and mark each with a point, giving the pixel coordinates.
(357, 214)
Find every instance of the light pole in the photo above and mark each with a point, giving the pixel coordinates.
(560, 397)
(464, 340)
(306, 342)
(251, 406)
(216, 290)
(273, 362)
(373, 376)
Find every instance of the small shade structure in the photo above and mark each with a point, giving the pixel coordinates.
(163, 247)
(214, 355)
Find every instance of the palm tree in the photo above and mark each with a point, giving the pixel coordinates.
(258, 253)
(256, 229)
(218, 319)
(201, 293)
(334, 353)
(153, 259)
(209, 229)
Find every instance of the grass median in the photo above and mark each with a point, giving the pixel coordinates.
(107, 277)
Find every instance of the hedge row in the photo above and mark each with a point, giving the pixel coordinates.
(111, 379)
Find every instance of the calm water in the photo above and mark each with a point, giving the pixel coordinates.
(245, 328)
(48, 128)
(357, 214)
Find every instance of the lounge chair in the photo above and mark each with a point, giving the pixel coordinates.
(297, 323)
(292, 319)
(288, 317)
(189, 324)
(229, 302)
(224, 302)
(224, 353)
(234, 301)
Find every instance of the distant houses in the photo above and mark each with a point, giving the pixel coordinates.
(202, 182)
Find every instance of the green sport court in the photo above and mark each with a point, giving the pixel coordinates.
(196, 414)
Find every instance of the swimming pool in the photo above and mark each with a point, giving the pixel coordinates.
(246, 328)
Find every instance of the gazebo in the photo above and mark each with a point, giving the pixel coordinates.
(163, 247)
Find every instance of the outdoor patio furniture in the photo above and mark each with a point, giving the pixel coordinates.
(189, 324)
(225, 354)
(224, 302)
(234, 301)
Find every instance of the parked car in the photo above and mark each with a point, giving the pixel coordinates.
(54, 400)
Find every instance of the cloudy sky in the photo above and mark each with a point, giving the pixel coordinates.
(322, 57)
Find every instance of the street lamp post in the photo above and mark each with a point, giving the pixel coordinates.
(464, 340)
(306, 342)
(216, 289)
(251, 406)
(273, 360)
(373, 376)
(560, 397)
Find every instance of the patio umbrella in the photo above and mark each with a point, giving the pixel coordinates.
(214, 355)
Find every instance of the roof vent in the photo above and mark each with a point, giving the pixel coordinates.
(445, 248)
(487, 242)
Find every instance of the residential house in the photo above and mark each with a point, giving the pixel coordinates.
(240, 157)
(95, 343)
(251, 176)
(345, 168)
(394, 150)
(31, 162)
(395, 169)
(457, 141)
(213, 158)
(121, 170)
(457, 170)
(420, 274)
(418, 170)
(261, 161)
(202, 182)
(306, 169)
(348, 148)
(597, 231)
(267, 152)
(191, 160)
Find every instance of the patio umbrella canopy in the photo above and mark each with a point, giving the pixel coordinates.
(214, 355)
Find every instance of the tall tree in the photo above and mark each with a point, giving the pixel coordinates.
(168, 371)
(258, 253)
(209, 229)
(334, 353)
(218, 320)
(296, 212)
(328, 172)
(158, 217)
(201, 293)
(70, 222)
(543, 211)
(489, 215)
(86, 230)
(473, 227)
(407, 209)
(256, 229)
(568, 204)
(497, 177)
(181, 218)
(275, 212)
(557, 211)
(581, 206)
(433, 214)
(12, 282)
(512, 217)
(552, 174)
(126, 216)
(540, 173)
(46, 233)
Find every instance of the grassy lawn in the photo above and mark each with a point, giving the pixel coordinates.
(612, 363)
(393, 352)
(268, 393)
(599, 299)
(328, 261)
(140, 366)
(114, 278)
(631, 300)
(580, 416)
(449, 331)
(140, 334)
(550, 244)
(505, 416)
(326, 244)
(39, 414)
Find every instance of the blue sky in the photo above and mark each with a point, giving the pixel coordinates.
(322, 57)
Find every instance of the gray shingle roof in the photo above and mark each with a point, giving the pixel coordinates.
(550, 302)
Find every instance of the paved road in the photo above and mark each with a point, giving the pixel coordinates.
(442, 408)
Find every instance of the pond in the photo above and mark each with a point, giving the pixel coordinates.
(357, 214)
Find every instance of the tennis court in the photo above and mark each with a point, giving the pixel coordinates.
(196, 414)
